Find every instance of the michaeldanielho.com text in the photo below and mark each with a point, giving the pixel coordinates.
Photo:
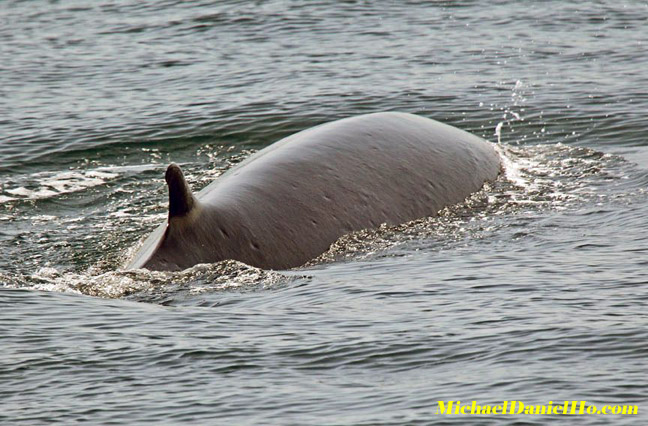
(521, 408)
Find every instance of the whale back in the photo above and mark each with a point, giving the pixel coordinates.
(289, 202)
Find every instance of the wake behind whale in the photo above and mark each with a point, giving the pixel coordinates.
(286, 204)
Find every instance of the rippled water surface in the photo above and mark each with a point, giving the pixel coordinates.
(534, 289)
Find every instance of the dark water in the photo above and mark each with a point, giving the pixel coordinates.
(535, 289)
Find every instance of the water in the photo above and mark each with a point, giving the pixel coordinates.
(535, 289)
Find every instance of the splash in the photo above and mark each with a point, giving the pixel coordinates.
(513, 111)
(45, 185)
(147, 285)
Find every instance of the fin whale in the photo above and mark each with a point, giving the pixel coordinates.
(287, 203)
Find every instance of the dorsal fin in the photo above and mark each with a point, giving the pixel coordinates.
(181, 200)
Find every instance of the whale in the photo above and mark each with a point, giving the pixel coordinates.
(287, 203)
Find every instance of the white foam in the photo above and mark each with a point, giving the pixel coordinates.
(21, 191)
(45, 185)
(514, 168)
(112, 284)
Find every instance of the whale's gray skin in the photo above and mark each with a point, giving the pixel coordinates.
(289, 202)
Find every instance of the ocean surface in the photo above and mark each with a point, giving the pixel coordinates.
(534, 289)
